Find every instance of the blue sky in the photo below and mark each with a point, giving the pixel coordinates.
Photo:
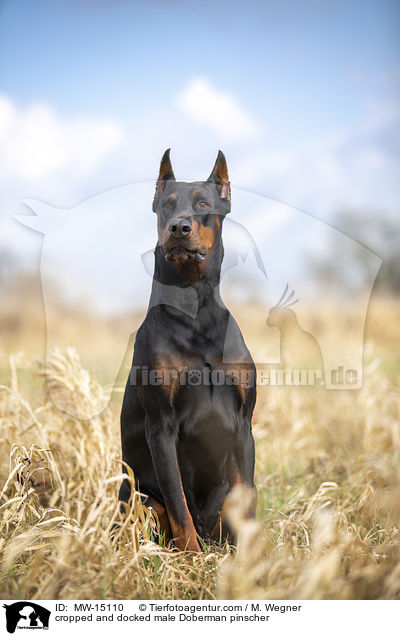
(301, 69)
(296, 65)
(301, 95)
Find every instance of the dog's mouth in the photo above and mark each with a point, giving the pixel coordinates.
(179, 254)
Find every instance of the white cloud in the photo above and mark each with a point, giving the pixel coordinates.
(206, 104)
(36, 142)
(347, 167)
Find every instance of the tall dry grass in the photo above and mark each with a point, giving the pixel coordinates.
(327, 474)
(58, 502)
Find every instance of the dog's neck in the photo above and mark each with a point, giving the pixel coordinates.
(188, 287)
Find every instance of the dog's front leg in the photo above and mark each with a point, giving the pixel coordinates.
(162, 444)
(245, 455)
(241, 464)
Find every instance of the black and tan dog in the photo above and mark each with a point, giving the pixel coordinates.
(186, 433)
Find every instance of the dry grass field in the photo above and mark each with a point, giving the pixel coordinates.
(327, 472)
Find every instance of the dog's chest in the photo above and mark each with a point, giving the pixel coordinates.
(208, 413)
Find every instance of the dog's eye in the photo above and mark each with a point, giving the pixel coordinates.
(203, 204)
(170, 203)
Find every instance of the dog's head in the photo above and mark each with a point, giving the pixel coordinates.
(190, 215)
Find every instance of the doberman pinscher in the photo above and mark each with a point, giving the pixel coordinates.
(186, 413)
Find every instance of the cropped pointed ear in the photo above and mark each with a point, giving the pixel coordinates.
(166, 174)
(219, 176)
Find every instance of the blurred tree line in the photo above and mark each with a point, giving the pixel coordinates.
(373, 229)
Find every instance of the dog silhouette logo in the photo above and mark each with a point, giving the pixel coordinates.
(98, 260)
(26, 615)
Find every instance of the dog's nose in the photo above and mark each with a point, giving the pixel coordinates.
(179, 227)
